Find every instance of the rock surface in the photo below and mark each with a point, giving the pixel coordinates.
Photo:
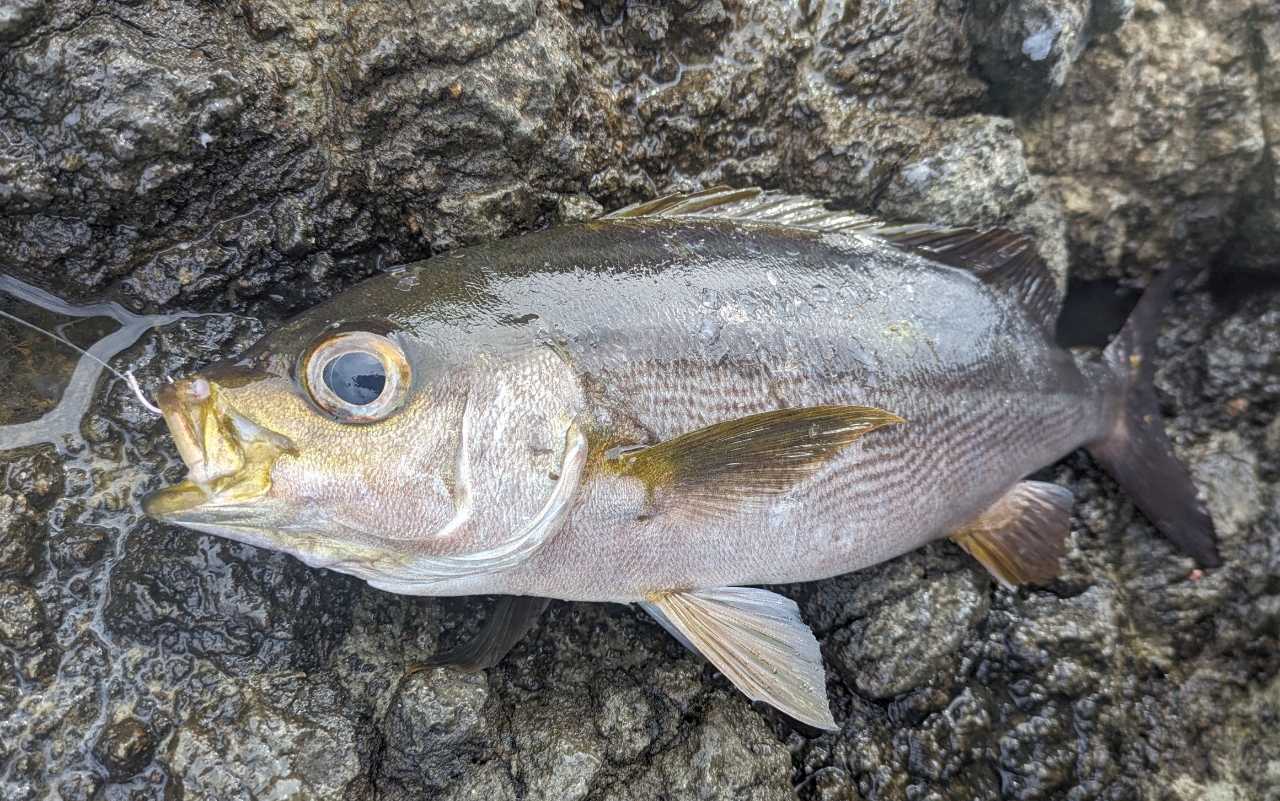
(255, 157)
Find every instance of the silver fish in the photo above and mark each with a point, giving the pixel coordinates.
(670, 405)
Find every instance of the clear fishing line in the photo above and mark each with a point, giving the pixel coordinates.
(126, 376)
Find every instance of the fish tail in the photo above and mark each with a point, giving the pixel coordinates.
(1138, 452)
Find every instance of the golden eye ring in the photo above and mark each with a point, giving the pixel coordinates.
(356, 376)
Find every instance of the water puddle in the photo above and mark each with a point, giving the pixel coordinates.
(51, 385)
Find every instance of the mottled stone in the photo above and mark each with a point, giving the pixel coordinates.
(125, 747)
(1180, 145)
(904, 643)
(23, 621)
(18, 543)
(434, 727)
(287, 738)
(1025, 48)
(730, 755)
(1227, 471)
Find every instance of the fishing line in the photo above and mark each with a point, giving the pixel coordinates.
(126, 376)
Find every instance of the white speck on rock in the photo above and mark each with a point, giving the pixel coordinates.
(917, 173)
(1037, 45)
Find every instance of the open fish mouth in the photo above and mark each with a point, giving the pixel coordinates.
(228, 457)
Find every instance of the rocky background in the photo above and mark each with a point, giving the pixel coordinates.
(250, 157)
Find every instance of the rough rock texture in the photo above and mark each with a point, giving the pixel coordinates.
(1156, 147)
(254, 157)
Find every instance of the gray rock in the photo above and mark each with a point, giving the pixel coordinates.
(1145, 184)
(125, 748)
(435, 728)
(20, 17)
(24, 623)
(904, 643)
(280, 736)
(18, 541)
(973, 173)
(1227, 470)
(730, 755)
(1024, 48)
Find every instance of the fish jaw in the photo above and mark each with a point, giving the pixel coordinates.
(228, 457)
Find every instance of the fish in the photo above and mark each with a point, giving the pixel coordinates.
(671, 406)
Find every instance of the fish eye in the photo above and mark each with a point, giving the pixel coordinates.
(356, 376)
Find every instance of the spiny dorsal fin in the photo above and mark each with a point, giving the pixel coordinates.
(1001, 257)
(1020, 538)
(757, 640)
(740, 462)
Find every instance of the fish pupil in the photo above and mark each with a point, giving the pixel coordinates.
(357, 378)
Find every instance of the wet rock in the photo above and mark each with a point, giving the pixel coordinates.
(222, 600)
(1038, 755)
(560, 766)
(269, 736)
(125, 748)
(23, 621)
(383, 39)
(830, 784)
(904, 643)
(908, 56)
(1024, 48)
(578, 209)
(25, 627)
(729, 755)
(79, 546)
(1147, 184)
(35, 475)
(18, 540)
(80, 786)
(690, 92)
(20, 17)
(1255, 244)
(973, 173)
(435, 726)
(1227, 471)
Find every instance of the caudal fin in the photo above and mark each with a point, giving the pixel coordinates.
(1138, 453)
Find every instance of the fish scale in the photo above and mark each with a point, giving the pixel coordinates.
(664, 407)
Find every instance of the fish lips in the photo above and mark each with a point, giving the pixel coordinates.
(228, 457)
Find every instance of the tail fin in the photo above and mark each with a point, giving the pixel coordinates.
(1138, 453)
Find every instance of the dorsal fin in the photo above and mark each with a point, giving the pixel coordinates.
(1003, 258)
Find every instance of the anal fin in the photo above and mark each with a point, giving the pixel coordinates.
(755, 638)
(1020, 538)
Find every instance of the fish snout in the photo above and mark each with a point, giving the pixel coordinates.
(228, 456)
(205, 441)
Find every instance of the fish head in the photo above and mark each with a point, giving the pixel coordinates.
(347, 446)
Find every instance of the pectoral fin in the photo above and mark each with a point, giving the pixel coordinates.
(743, 461)
(757, 639)
(1020, 538)
(510, 620)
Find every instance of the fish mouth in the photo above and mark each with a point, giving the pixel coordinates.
(228, 457)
